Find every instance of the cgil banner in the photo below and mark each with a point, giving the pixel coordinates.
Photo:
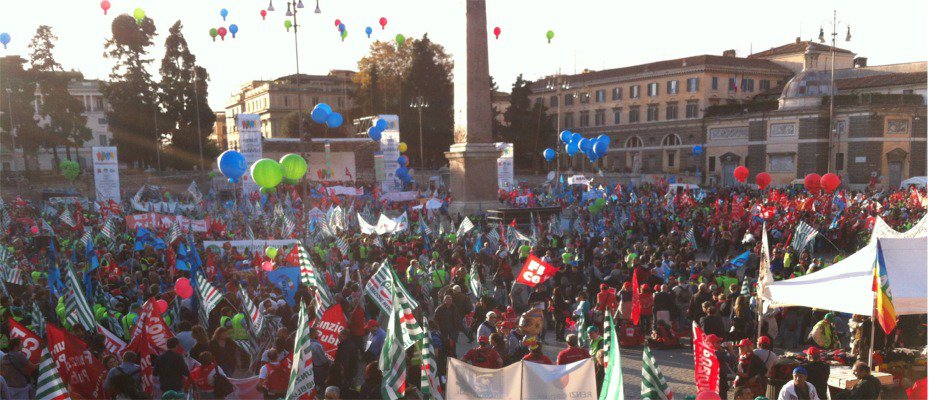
(149, 338)
(155, 220)
(344, 191)
(379, 289)
(329, 326)
(706, 361)
(80, 370)
(32, 343)
(535, 271)
(521, 380)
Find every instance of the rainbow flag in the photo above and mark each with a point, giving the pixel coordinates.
(884, 308)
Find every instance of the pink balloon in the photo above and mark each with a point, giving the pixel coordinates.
(708, 395)
(34, 230)
(161, 306)
(267, 266)
(183, 288)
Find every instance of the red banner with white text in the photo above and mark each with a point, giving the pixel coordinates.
(150, 336)
(81, 371)
(535, 271)
(329, 326)
(32, 343)
(706, 361)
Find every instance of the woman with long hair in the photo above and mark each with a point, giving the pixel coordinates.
(202, 341)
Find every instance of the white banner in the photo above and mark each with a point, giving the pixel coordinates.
(344, 191)
(579, 180)
(568, 381)
(249, 144)
(431, 204)
(505, 173)
(253, 245)
(396, 197)
(384, 225)
(107, 175)
(389, 148)
(464, 381)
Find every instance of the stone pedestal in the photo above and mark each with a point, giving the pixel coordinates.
(473, 183)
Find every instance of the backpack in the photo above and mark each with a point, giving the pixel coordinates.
(278, 376)
(125, 384)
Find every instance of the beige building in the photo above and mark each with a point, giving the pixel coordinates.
(278, 99)
(218, 135)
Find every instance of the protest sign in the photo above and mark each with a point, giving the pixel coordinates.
(535, 271)
(329, 326)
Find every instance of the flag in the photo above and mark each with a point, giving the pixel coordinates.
(653, 384)
(301, 371)
(465, 226)
(802, 236)
(401, 333)
(287, 226)
(108, 229)
(493, 237)
(835, 221)
(208, 296)
(39, 322)
(14, 276)
(50, 386)
(76, 306)
(174, 233)
(476, 288)
(765, 277)
(251, 311)
(424, 227)
(287, 279)
(612, 387)
(147, 238)
(430, 385)
(739, 261)
(342, 245)
(194, 191)
(690, 237)
(86, 237)
(248, 231)
(66, 217)
(884, 306)
(112, 342)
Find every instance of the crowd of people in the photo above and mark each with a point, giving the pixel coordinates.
(655, 258)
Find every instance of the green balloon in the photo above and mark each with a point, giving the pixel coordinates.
(400, 39)
(139, 14)
(294, 167)
(213, 32)
(70, 169)
(287, 24)
(550, 34)
(271, 252)
(266, 173)
(344, 34)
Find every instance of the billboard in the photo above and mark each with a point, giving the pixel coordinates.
(107, 175)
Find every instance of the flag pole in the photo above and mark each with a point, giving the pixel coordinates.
(871, 343)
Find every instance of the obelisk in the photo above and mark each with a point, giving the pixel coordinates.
(473, 155)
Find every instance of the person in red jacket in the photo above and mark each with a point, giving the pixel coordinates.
(606, 300)
(274, 376)
(483, 356)
(203, 376)
(645, 301)
(535, 355)
(573, 352)
(357, 322)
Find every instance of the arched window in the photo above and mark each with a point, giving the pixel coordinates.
(634, 142)
(671, 140)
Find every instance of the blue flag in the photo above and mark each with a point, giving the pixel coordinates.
(287, 279)
(182, 254)
(835, 221)
(739, 261)
(91, 256)
(479, 246)
(55, 279)
(146, 238)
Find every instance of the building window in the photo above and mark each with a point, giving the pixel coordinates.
(102, 140)
(102, 121)
(714, 83)
(635, 92)
(711, 164)
(569, 99)
(584, 97)
(764, 84)
(652, 89)
(733, 85)
(286, 101)
(691, 85)
(553, 101)
(617, 116)
(670, 159)
(569, 120)
(634, 114)
(907, 91)
(780, 163)
(672, 87)
(840, 161)
(600, 118)
(600, 96)
(652, 112)
(585, 119)
(671, 140)
(616, 93)
(99, 103)
(691, 109)
(779, 82)
(747, 85)
(539, 101)
(634, 141)
(672, 110)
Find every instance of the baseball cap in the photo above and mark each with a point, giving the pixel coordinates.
(712, 338)
(745, 342)
(829, 317)
(763, 340)
(813, 351)
(800, 371)
(505, 324)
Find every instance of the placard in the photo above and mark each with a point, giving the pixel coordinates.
(107, 175)
(505, 173)
(250, 140)
(535, 271)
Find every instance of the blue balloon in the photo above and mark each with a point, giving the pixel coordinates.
(571, 148)
(604, 138)
(320, 113)
(565, 136)
(342, 28)
(375, 134)
(590, 153)
(334, 120)
(224, 13)
(368, 31)
(233, 29)
(402, 160)
(4, 39)
(575, 137)
(600, 148)
(549, 154)
(381, 124)
(697, 150)
(232, 164)
(584, 145)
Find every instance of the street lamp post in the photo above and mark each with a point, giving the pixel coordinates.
(420, 104)
(198, 122)
(293, 6)
(558, 83)
(830, 165)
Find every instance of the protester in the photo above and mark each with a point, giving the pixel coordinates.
(573, 352)
(170, 367)
(483, 355)
(798, 388)
(16, 368)
(867, 388)
(123, 381)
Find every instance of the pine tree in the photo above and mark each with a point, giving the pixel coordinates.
(133, 113)
(521, 123)
(429, 75)
(16, 108)
(183, 99)
(63, 121)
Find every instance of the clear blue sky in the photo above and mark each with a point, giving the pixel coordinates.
(593, 34)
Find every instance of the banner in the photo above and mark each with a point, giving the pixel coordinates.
(246, 388)
(107, 175)
(578, 180)
(397, 197)
(329, 326)
(253, 245)
(80, 370)
(567, 381)
(331, 165)
(535, 271)
(705, 361)
(287, 279)
(112, 343)
(149, 339)
(464, 381)
(155, 220)
(389, 148)
(384, 225)
(344, 190)
(249, 144)
(505, 166)
(32, 343)
(378, 289)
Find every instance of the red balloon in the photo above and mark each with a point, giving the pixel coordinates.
(811, 182)
(264, 13)
(382, 21)
(762, 179)
(183, 288)
(105, 5)
(34, 230)
(497, 31)
(222, 31)
(267, 266)
(741, 173)
(160, 306)
(829, 182)
(337, 22)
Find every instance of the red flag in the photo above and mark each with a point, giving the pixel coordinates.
(513, 223)
(149, 339)
(32, 343)
(706, 361)
(329, 326)
(636, 310)
(80, 370)
(535, 271)
(293, 258)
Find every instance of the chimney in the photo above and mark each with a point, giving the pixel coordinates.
(861, 62)
(797, 39)
(729, 53)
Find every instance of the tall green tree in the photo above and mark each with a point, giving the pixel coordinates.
(521, 123)
(499, 130)
(381, 75)
(430, 75)
(62, 115)
(130, 91)
(17, 113)
(186, 118)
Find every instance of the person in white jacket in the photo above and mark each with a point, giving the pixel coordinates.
(798, 388)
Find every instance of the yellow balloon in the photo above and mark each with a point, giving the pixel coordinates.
(402, 147)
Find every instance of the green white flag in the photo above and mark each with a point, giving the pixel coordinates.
(301, 372)
(76, 306)
(430, 385)
(402, 332)
(476, 288)
(49, 386)
(612, 389)
(653, 385)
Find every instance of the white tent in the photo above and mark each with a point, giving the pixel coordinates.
(847, 285)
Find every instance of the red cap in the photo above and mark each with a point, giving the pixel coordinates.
(505, 324)
(712, 338)
(763, 340)
(745, 342)
(657, 287)
(813, 351)
(508, 308)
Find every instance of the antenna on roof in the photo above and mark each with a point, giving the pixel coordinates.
(752, 49)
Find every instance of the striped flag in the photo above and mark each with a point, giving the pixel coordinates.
(476, 288)
(66, 217)
(402, 332)
(174, 233)
(194, 191)
(430, 385)
(690, 237)
(39, 322)
(301, 371)
(108, 229)
(86, 237)
(311, 277)
(465, 226)
(76, 306)
(424, 227)
(802, 236)
(884, 305)
(249, 232)
(250, 310)
(342, 245)
(14, 276)
(653, 384)
(50, 386)
(493, 237)
(209, 297)
(764, 277)
(4, 254)
(612, 387)
(306, 267)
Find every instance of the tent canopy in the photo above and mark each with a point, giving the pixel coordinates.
(847, 285)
